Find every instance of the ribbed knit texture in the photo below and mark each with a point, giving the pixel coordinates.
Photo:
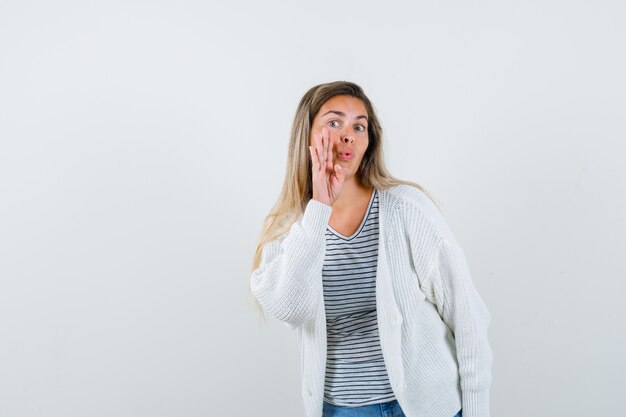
(355, 367)
(432, 322)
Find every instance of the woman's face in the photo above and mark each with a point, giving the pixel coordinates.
(344, 118)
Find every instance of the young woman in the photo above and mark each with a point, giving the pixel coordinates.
(365, 267)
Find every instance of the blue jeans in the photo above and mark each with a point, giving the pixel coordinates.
(388, 409)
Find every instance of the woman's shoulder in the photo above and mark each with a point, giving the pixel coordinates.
(413, 202)
(411, 196)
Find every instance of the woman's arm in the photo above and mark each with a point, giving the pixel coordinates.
(291, 267)
(444, 277)
(463, 310)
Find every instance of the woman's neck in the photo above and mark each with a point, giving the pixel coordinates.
(352, 192)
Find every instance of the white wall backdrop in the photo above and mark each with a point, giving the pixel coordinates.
(142, 144)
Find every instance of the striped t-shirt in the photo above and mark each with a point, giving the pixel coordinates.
(355, 369)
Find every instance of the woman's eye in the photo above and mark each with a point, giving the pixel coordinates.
(332, 121)
(360, 128)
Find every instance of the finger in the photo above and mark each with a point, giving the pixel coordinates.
(324, 146)
(319, 166)
(315, 152)
(314, 161)
(330, 162)
(318, 149)
(339, 170)
(339, 173)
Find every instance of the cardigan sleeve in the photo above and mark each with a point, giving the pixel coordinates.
(290, 267)
(465, 313)
(444, 277)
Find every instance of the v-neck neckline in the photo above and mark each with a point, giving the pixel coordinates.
(363, 221)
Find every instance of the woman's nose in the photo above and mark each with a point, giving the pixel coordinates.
(345, 138)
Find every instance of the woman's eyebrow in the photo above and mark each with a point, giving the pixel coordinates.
(340, 113)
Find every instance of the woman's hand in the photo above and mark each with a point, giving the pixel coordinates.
(328, 177)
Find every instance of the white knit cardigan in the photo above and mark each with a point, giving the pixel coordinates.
(431, 320)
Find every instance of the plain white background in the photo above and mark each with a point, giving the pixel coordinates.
(142, 144)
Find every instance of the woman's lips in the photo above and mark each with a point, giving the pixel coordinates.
(346, 156)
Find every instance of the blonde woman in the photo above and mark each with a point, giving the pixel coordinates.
(365, 268)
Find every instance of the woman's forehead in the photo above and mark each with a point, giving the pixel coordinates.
(343, 104)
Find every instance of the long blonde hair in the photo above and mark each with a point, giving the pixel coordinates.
(297, 189)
